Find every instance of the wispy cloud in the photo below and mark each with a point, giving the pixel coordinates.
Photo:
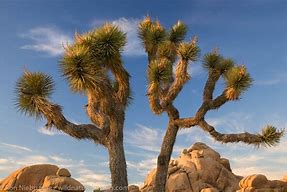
(273, 80)
(130, 26)
(16, 147)
(32, 159)
(143, 166)
(92, 179)
(49, 132)
(49, 40)
(145, 138)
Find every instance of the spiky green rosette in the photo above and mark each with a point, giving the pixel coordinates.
(188, 51)
(80, 70)
(210, 60)
(152, 34)
(160, 70)
(106, 42)
(86, 62)
(178, 32)
(237, 81)
(31, 88)
(213, 61)
(271, 136)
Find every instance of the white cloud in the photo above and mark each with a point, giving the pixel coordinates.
(50, 40)
(130, 26)
(4, 161)
(49, 132)
(143, 166)
(145, 138)
(275, 80)
(47, 40)
(15, 147)
(92, 179)
(31, 160)
(195, 69)
(59, 159)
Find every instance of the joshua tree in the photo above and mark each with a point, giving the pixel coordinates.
(166, 49)
(92, 66)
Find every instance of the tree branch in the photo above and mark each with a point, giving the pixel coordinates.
(181, 77)
(248, 138)
(93, 111)
(154, 98)
(53, 114)
(218, 101)
(122, 77)
(213, 77)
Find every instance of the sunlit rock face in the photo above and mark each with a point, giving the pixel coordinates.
(197, 169)
(41, 178)
(202, 169)
(260, 183)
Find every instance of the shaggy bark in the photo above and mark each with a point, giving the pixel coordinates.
(118, 165)
(166, 150)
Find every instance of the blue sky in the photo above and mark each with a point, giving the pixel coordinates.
(251, 32)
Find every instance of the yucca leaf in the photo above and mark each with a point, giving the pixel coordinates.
(144, 28)
(211, 60)
(224, 65)
(154, 36)
(106, 42)
(178, 32)
(188, 51)
(237, 80)
(30, 89)
(80, 69)
(167, 50)
(160, 70)
(270, 136)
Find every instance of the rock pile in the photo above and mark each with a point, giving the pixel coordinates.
(28, 178)
(197, 169)
(41, 178)
(202, 169)
(259, 183)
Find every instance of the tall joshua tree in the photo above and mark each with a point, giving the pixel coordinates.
(166, 49)
(92, 66)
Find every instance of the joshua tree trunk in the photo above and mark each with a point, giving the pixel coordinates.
(166, 150)
(117, 156)
(118, 166)
(164, 158)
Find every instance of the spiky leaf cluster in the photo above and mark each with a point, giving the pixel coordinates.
(237, 81)
(271, 136)
(30, 89)
(106, 42)
(178, 32)
(167, 50)
(160, 70)
(213, 61)
(152, 34)
(225, 64)
(81, 71)
(144, 27)
(188, 51)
